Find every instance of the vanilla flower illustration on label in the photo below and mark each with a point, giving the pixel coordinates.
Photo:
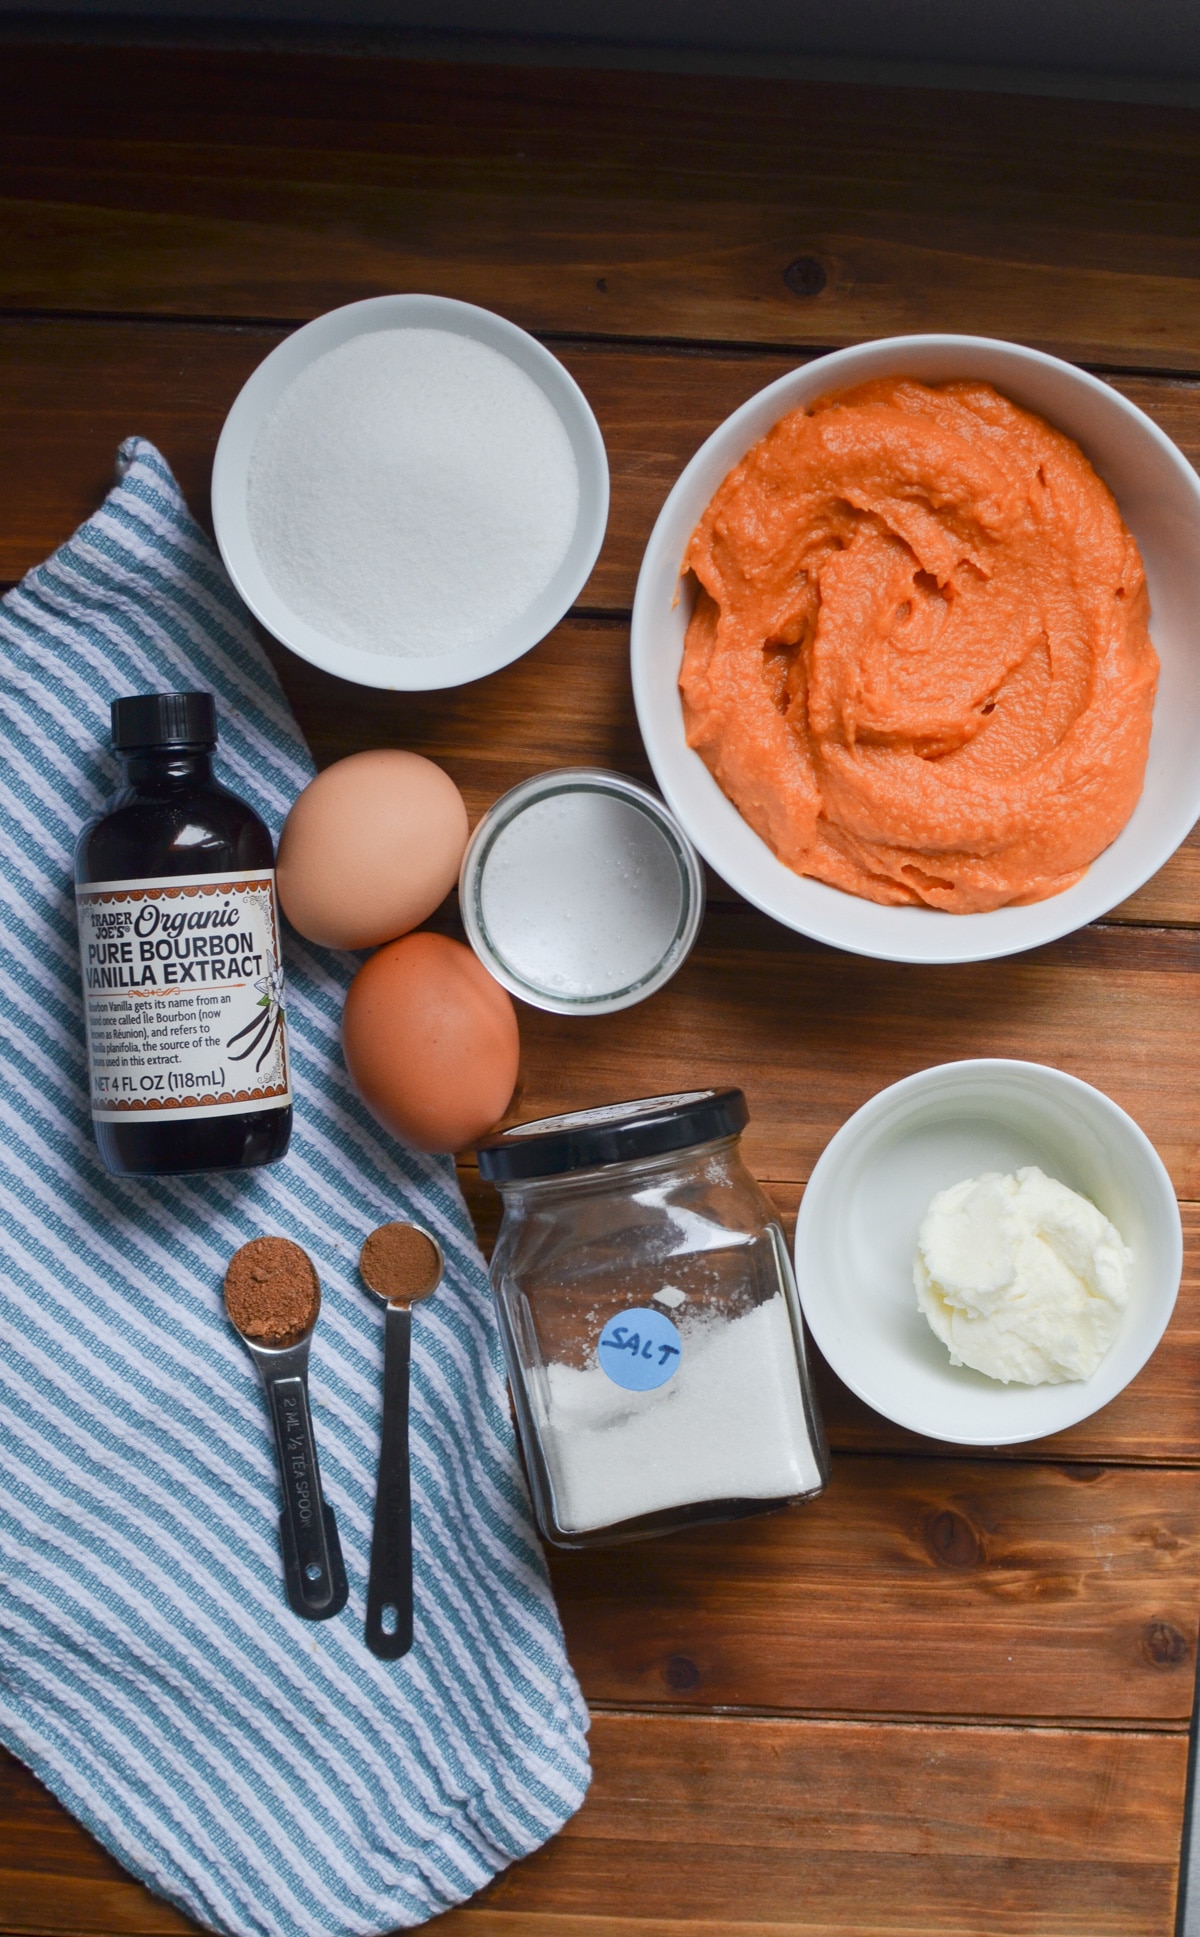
(183, 995)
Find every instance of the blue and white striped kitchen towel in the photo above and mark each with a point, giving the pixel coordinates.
(265, 1774)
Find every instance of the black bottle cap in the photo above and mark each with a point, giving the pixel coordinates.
(148, 720)
(613, 1134)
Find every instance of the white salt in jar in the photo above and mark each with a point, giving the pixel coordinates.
(650, 1322)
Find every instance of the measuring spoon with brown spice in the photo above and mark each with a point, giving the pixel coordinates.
(400, 1264)
(273, 1296)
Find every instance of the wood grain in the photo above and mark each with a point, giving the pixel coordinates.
(495, 732)
(811, 1033)
(55, 1878)
(738, 1824)
(1002, 1590)
(71, 390)
(273, 187)
(1156, 1419)
(728, 1826)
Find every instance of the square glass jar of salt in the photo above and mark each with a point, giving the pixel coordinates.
(650, 1322)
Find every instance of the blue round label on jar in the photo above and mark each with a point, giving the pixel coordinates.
(640, 1349)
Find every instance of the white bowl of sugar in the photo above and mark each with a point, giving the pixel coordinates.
(410, 492)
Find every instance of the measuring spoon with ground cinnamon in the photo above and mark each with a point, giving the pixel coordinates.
(400, 1264)
(273, 1296)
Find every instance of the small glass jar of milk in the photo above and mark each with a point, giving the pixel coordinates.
(650, 1322)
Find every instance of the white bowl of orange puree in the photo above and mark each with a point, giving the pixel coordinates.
(941, 646)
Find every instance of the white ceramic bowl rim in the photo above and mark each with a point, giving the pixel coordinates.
(1159, 495)
(920, 1135)
(262, 391)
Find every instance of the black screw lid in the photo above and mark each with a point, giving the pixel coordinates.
(147, 720)
(552, 1145)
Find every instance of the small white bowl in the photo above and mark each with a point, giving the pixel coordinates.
(856, 1237)
(1159, 496)
(258, 398)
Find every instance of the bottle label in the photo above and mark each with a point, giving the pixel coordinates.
(183, 996)
(640, 1349)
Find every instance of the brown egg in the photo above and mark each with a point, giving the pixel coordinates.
(370, 848)
(431, 1042)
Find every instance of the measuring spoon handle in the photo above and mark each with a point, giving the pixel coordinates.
(313, 1569)
(389, 1624)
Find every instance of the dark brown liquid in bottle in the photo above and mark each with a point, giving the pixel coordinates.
(172, 819)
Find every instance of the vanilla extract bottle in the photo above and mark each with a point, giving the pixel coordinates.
(179, 949)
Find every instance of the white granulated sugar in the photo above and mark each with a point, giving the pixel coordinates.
(581, 894)
(412, 492)
(729, 1425)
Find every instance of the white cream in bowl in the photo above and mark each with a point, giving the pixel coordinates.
(1020, 1277)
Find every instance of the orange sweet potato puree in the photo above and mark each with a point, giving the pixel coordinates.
(918, 662)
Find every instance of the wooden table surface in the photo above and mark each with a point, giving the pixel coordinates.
(953, 1695)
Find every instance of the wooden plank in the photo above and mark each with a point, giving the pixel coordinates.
(717, 1827)
(910, 1587)
(495, 732)
(811, 1033)
(267, 187)
(1155, 1420)
(736, 1824)
(273, 187)
(39, 1906)
(70, 391)
(948, 1790)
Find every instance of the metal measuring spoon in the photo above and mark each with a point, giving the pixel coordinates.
(272, 1297)
(400, 1264)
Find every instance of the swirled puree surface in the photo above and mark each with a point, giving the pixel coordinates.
(919, 662)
